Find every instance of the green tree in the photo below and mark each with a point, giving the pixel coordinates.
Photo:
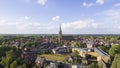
(24, 66)
(100, 66)
(113, 39)
(10, 57)
(76, 44)
(104, 48)
(3, 62)
(13, 64)
(116, 62)
(93, 65)
(115, 49)
(75, 53)
(4, 49)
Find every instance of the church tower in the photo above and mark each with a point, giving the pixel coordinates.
(60, 36)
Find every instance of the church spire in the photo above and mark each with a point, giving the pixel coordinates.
(60, 35)
(60, 30)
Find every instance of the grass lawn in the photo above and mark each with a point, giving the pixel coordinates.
(55, 57)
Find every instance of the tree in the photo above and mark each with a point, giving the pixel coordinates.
(13, 64)
(113, 39)
(100, 66)
(10, 56)
(104, 48)
(76, 44)
(75, 53)
(93, 65)
(3, 62)
(115, 49)
(24, 66)
(116, 62)
(4, 49)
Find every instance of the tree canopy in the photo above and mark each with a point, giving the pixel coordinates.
(13, 64)
(116, 62)
(115, 49)
(93, 65)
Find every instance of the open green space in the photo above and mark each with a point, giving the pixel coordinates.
(55, 57)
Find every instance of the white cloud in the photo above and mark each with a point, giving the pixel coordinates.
(56, 18)
(22, 26)
(25, 17)
(117, 5)
(89, 26)
(41, 2)
(109, 20)
(87, 4)
(112, 14)
(98, 2)
(86, 26)
(80, 24)
(108, 24)
(2, 21)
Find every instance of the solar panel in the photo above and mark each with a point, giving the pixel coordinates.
(102, 53)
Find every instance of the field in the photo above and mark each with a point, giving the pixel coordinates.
(55, 57)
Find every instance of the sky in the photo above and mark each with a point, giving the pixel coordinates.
(46, 16)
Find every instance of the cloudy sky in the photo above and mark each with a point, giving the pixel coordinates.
(45, 16)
